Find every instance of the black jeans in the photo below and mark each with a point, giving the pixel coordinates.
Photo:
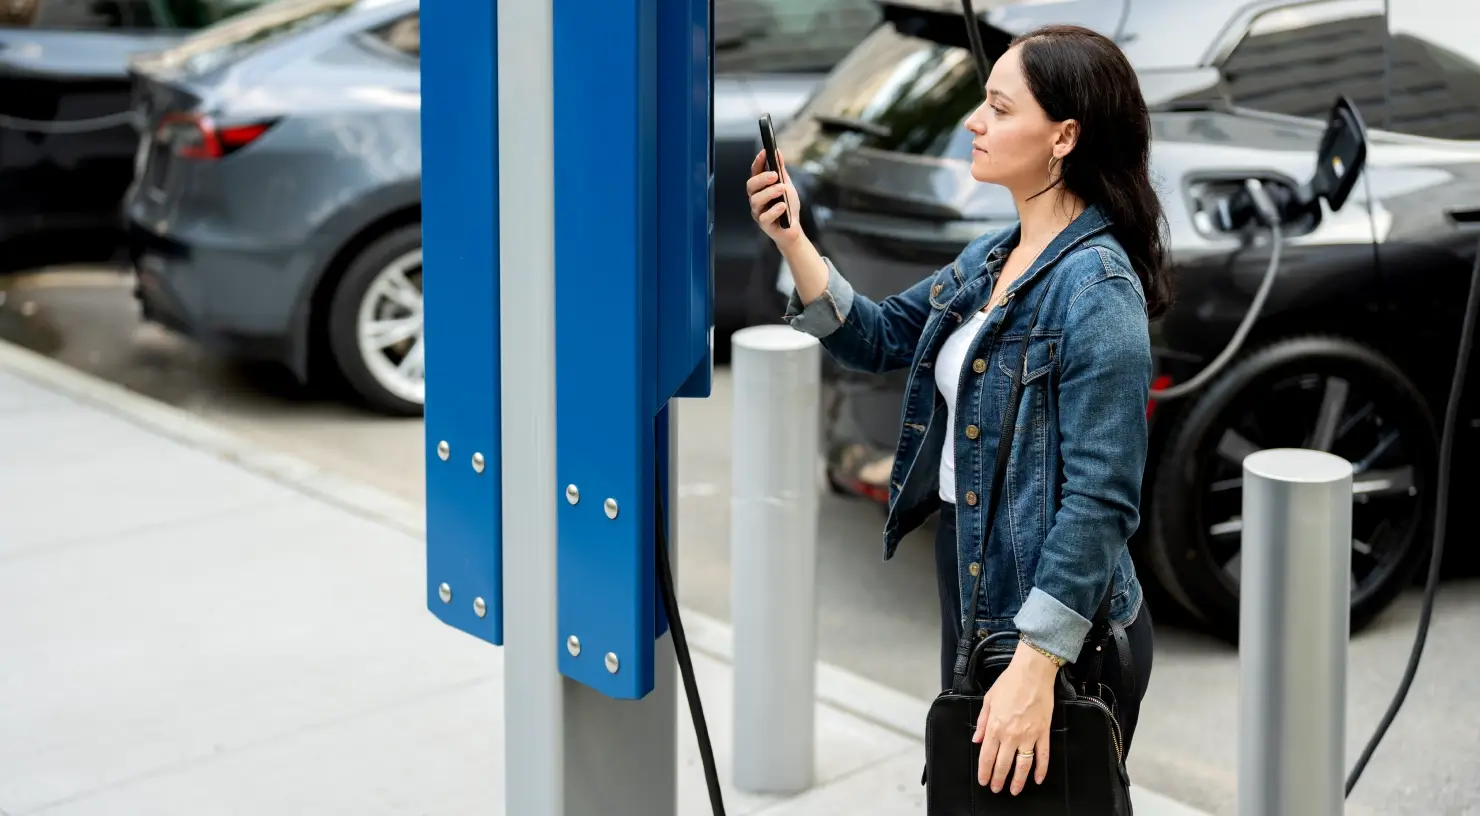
(1140, 633)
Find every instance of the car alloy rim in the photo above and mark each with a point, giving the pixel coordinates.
(1366, 425)
(389, 328)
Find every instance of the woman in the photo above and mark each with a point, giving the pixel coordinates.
(1064, 128)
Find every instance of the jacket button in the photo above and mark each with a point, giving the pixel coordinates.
(979, 366)
(935, 290)
(974, 569)
(971, 497)
(973, 432)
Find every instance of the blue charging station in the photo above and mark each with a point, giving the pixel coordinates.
(630, 118)
(460, 249)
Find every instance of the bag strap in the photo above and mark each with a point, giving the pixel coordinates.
(1101, 623)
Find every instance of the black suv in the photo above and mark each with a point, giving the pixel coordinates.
(1353, 351)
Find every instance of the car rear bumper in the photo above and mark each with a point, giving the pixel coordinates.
(223, 298)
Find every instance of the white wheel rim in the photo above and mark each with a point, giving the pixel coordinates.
(389, 329)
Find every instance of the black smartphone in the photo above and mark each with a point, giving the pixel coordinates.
(768, 141)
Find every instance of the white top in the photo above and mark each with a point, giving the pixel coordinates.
(948, 369)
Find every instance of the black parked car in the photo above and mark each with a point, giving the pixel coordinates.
(1354, 350)
(67, 143)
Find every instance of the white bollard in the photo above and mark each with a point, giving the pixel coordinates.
(776, 373)
(1294, 624)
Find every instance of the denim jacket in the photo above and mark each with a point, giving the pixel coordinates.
(1072, 495)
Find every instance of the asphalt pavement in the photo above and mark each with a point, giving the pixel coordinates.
(876, 620)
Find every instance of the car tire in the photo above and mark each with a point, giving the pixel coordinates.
(382, 284)
(1273, 398)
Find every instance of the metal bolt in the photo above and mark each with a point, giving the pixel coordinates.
(443, 450)
(572, 493)
(611, 662)
(479, 607)
(611, 508)
(445, 592)
(573, 645)
(478, 462)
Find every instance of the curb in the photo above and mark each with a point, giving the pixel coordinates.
(837, 688)
(850, 693)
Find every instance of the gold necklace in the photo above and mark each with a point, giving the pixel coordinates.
(1002, 301)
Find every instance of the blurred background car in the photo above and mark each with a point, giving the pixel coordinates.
(67, 139)
(1354, 349)
(276, 208)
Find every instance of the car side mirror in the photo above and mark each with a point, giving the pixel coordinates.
(1342, 155)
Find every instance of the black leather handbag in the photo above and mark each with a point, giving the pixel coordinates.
(1086, 768)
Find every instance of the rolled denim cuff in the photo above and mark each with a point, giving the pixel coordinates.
(1051, 625)
(826, 314)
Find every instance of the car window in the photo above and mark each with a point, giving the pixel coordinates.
(1435, 56)
(78, 15)
(103, 15)
(1296, 59)
(788, 36)
(194, 14)
(897, 92)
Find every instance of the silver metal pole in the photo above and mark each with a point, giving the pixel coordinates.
(534, 750)
(773, 556)
(568, 750)
(1294, 624)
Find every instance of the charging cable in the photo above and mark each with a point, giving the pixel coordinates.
(681, 647)
(1269, 212)
(70, 126)
(1441, 518)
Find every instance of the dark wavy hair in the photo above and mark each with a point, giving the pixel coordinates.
(1075, 73)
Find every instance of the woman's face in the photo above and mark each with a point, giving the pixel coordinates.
(1015, 139)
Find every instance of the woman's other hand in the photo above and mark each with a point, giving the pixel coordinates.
(1014, 724)
(770, 196)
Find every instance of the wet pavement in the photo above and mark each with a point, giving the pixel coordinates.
(875, 619)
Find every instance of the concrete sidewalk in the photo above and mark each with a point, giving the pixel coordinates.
(190, 625)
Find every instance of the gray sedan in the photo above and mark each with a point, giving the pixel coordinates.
(275, 211)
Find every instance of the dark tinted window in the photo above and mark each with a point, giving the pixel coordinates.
(193, 14)
(897, 92)
(1435, 83)
(77, 15)
(788, 36)
(101, 15)
(1295, 60)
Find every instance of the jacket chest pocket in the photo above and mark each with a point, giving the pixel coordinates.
(1042, 362)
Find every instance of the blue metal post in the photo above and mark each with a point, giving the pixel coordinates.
(632, 306)
(556, 133)
(461, 255)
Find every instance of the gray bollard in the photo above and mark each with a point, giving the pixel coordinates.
(1294, 624)
(773, 556)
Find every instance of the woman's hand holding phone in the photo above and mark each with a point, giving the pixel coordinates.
(770, 196)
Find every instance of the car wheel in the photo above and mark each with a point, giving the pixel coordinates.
(375, 324)
(1305, 392)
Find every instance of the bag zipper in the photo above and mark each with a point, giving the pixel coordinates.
(1115, 725)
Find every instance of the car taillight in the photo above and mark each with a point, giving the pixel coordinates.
(193, 136)
(1161, 383)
